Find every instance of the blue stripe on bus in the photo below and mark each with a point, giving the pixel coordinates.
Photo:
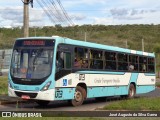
(106, 91)
(139, 52)
(64, 93)
(151, 54)
(144, 89)
(95, 45)
(149, 74)
(92, 92)
(34, 88)
(100, 72)
(134, 77)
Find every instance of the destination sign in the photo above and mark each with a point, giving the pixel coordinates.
(35, 42)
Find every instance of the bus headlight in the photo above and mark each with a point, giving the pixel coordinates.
(9, 84)
(46, 86)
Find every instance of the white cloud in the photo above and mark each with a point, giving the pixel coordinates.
(85, 12)
(78, 16)
(105, 21)
(71, 3)
(147, 17)
(36, 15)
(13, 16)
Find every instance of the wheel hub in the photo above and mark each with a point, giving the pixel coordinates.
(78, 96)
(131, 92)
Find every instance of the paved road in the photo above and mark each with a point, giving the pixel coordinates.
(89, 105)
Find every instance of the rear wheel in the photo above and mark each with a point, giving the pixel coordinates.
(79, 96)
(131, 91)
(42, 102)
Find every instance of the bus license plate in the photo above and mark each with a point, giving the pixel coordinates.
(25, 97)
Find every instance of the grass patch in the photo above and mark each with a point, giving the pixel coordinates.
(135, 104)
(3, 85)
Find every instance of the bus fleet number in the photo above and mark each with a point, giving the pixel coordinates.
(59, 94)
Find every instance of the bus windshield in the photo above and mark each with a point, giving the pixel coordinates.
(31, 62)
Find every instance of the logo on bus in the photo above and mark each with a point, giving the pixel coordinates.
(64, 82)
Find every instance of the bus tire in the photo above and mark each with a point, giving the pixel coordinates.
(101, 99)
(123, 96)
(131, 91)
(79, 96)
(42, 102)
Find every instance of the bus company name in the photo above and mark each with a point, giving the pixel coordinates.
(103, 80)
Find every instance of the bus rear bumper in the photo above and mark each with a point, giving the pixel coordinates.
(37, 95)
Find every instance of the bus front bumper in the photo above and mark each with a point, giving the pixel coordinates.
(48, 95)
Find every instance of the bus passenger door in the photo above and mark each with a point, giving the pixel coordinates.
(63, 64)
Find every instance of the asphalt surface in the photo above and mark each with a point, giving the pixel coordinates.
(89, 104)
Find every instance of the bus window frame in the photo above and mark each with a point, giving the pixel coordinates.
(95, 59)
(72, 50)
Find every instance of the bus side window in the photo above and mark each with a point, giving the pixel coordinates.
(81, 58)
(110, 58)
(133, 63)
(63, 60)
(96, 61)
(122, 61)
(67, 60)
(143, 64)
(151, 67)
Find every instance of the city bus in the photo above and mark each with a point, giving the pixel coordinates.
(54, 68)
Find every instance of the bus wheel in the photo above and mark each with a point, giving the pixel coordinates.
(131, 91)
(101, 99)
(42, 102)
(123, 96)
(79, 96)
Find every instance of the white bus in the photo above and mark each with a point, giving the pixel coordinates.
(55, 68)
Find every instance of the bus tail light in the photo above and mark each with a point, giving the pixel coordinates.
(46, 86)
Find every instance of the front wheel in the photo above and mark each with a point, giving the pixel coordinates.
(79, 96)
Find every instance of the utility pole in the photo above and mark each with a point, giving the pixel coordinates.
(142, 45)
(126, 44)
(26, 18)
(85, 36)
(35, 32)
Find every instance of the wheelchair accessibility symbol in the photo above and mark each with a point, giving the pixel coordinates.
(64, 82)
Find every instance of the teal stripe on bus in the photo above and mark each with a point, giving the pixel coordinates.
(92, 92)
(134, 77)
(149, 74)
(100, 72)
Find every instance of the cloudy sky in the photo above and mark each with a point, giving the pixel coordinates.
(108, 12)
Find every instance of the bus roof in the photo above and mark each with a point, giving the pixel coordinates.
(91, 45)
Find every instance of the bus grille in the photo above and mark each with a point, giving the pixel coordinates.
(32, 95)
